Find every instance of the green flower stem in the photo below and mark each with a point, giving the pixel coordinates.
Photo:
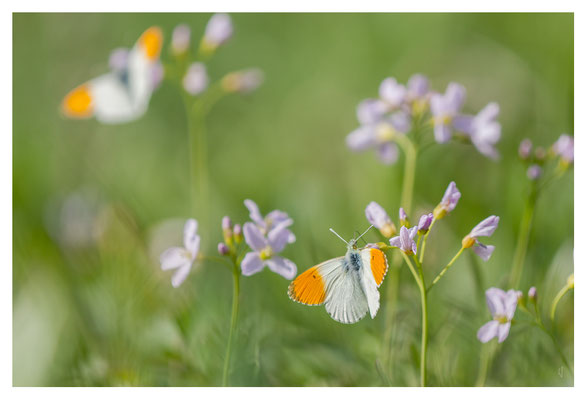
(555, 343)
(523, 238)
(556, 300)
(233, 322)
(423, 249)
(419, 277)
(441, 274)
(487, 353)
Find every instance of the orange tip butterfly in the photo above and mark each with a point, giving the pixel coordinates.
(347, 285)
(117, 96)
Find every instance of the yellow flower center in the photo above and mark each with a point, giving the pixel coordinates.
(266, 253)
(385, 133)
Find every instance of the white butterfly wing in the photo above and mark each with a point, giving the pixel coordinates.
(140, 78)
(368, 282)
(345, 299)
(111, 100)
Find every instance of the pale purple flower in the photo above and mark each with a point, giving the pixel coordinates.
(405, 241)
(449, 201)
(483, 228)
(226, 223)
(223, 249)
(534, 172)
(502, 306)
(118, 60)
(380, 136)
(370, 111)
(244, 81)
(417, 88)
(271, 221)
(218, 30)
(425, 222)
(403, 217)
(444, 108)
(266, 249)
(483, 129)
(564, 147)
(180, 39)
(525, 149)
(392, 93)
(182, 258)
(196, 79)
(379, 218)
(532, 293)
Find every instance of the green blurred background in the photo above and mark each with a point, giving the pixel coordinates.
(94, 205)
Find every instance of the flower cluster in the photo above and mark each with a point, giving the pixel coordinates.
(562, 151)
(502, 306)
(195, 79)
(386, 119)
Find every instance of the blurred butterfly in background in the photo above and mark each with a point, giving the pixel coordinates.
(123, 94)
(346, 285)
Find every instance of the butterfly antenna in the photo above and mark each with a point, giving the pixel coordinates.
(332, 230)
(368, 229)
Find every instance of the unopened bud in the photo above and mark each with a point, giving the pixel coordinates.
(403, 218)
(227, 230)
(223, 249)
(532, 294)
(238, 234)
(525, 149)
(468, 241)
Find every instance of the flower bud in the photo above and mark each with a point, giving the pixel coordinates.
(227, 230)
(468, 241)
(223, 249)
(180, 40)
(238, 234)
(403, 218)
(534, 172)
(532, 294)
(525, 149)
(425, 222)
(218, 31)
(195, 80)
(244, 81)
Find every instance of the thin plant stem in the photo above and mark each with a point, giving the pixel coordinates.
(487, 353)
(523, 238)
(555, 343)
(423, 249)
(441, 274)
(233, 322)
(556, 300)
(409, 171)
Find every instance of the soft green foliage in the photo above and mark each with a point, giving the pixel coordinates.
(104, 314)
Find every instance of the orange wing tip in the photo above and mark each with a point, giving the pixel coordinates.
(78, 103)
(151, 42)
(308, 288)
(379, 265)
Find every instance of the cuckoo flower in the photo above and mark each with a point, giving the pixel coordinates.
(380, 135)
(392, 93)
(445, 107)
(379, 218)
(564, 147)
(425, 222)
(195, 80)
(218, 31)
(502, 306)
(405, 240)
(525, 149)
(483, 228)
(266, 249)
(534, 172)
(483, 129)
(403, 218)
(417, 93)
(449, 201)
(180, 39)
(269, 222)
(182, 258)
(244, 81)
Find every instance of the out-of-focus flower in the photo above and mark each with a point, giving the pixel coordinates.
(378, 217)
(565, 148)
(425, 222)
(118, 60)
(532, 294)
(525, 149)
(223, 249)
(237, 233)
(449, 201)
(370, 111)
(403, 218)
(266, 249)
(483, 129)
(502, 306)
(405, 241)
(380, 136)
(195, 80)
(418, 93)
(180, 39)
(271, 221)
(227, 230)
(218, 31)
(444, 109)
(534, 172)
(483, 228)
(392, 93)
(182, 258)
(244, 81)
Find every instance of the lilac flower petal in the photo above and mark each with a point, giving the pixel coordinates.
(370, 111)
(511, 303)
(503, 331)
(525, 149)
(488, 331)
(464, 123)
(278, 238)
(251, 264)
(219, 29)
(395, 242)
(533, 172)
(451, 197)
(254, 237)
(254, 212)
(401, 121)
(565, 147)
(454, 97)
(388, 153)
(277, 217)
(191, 240)
(376, 215)
(417, 86)
(392, 92)
(442, 133)
(495, 301)
(180, 275)
(362, 138)
(489, 112)
(195, 80)
(483, 251)
(402, 214)
(413, 231)
(180, 39)
(485, 227)
(282, 266)
(425, 221)
(174, 257)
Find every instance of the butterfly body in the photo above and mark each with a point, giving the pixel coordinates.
(346, 286)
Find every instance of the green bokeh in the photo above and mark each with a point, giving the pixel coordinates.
(104, 314)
